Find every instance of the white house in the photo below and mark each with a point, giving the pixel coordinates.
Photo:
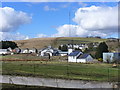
(25, 51)
(3, 51)
(111, 56)
(16, 50)
(65, 53)
(72, 57)
(61, 53)
(77, 56)
(33, 50)
(85, 58)
(49, 50)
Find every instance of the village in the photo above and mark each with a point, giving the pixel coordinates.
(73, 53)
(59, 44)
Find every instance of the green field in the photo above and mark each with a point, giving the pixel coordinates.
(63, 70)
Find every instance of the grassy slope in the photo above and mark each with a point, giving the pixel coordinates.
(42, 42)
(54, 69)
(35, 42)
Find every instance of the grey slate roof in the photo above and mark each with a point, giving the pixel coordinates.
(74, 53)
(83, 56)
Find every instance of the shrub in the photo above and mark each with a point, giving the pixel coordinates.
(100, 59)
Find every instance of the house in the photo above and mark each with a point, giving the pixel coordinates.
(16, 50)
(65, 53)
(61, 53)
(78, 56)
(3, 51)
(77, 46)
(49, 50)
(85, 58)
(72, 57)
(111, 56)
(25, 51)
(33, 50)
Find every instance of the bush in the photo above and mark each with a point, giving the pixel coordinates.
(100, 59)
(7, 44)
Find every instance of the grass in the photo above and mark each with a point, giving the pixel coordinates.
(55, 42)
(30, 57)
(63, 70)
(21, 57)
(83, 39)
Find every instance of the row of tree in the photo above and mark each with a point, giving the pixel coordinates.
(7, 44)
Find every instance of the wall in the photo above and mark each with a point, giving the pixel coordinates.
(89, 59)
(60, 83)
(72, 59)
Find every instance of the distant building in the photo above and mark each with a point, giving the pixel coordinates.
(77, 46)
(111, 56)
(16, 50)
(3, 51)
(61, 53)
(25, 51)
(49, 50)
(33, 50)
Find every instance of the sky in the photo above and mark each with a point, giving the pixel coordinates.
(25, 20)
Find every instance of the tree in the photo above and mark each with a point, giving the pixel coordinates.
(64, 48)
(7, 44)
(59, 47)
(100, 49)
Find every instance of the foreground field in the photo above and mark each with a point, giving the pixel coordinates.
(64, 70)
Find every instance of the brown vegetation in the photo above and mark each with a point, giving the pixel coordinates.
(35, 42)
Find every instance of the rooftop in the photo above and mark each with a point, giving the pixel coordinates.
(83, 56)
(74, 53)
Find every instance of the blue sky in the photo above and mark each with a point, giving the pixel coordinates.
(49, 16)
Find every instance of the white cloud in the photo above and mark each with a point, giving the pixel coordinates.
(11, 19)
(76, 31)
(47, 8)
(66, 30)
(41, 35)
(97, 18)
(91, 21)
(11, 36)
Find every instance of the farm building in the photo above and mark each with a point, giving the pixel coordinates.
(77, 56)
(111, 56)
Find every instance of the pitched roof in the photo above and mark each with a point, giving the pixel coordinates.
(74, 53)
(83, 56)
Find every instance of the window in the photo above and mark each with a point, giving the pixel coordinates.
(119, 54)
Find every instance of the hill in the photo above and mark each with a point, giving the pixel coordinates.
(55, 42)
